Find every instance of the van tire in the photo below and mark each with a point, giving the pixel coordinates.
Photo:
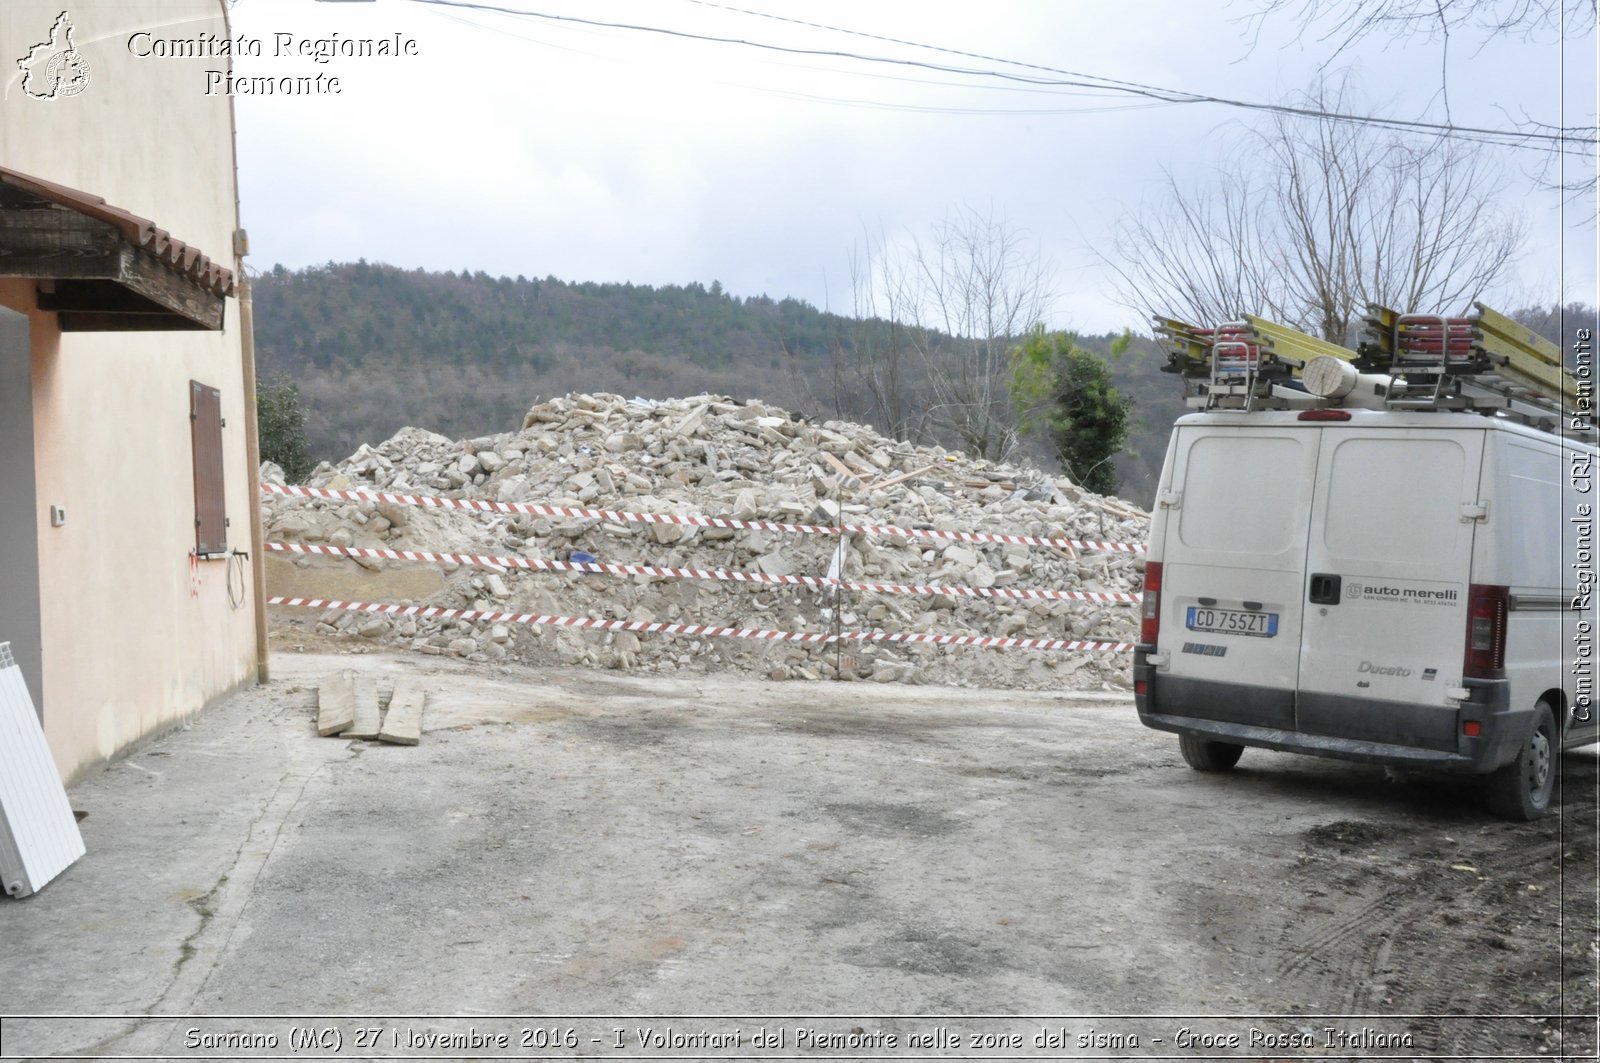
(1202, 754)
(1521, 790)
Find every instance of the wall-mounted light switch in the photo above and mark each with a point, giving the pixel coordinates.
(58, 516)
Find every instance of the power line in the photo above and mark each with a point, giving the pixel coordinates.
(1025, 112)
(935, 47)
(1583, 134)
(1503, 137)
(881, 105)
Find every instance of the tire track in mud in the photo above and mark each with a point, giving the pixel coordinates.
(1325, 945)
(1342, 942)
(1454, 917)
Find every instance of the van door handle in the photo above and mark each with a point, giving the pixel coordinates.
(1325, 588)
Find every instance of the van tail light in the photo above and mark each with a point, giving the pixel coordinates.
(1487, 609)
(1150, 606)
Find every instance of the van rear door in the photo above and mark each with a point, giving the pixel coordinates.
(1239, 506)
(1388, 565)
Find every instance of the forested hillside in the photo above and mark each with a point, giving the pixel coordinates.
(373, 348)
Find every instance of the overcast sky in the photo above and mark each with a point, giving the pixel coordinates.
(528, 146)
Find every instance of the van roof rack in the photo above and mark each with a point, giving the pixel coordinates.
(1241, 365)
(1485, 363)
(1479, 362)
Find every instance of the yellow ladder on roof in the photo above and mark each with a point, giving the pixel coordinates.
(1189, 347)
(1525, 357)
(1528, 366)
(1292, 345)
(1237, 364)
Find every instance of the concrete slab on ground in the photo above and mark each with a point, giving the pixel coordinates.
(402, 721)
(368, 710)
(336, 703)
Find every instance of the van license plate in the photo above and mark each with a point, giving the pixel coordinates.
(1233, 622)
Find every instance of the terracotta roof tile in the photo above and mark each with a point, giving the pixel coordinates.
(141, 232)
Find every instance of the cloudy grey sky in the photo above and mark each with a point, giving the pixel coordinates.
(531, 146)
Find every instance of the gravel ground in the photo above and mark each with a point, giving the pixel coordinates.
(839, 863)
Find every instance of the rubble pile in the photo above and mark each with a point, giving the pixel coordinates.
(717, 457)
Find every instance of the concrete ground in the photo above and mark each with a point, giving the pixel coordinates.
(567, 843)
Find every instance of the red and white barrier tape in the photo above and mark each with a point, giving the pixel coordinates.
(622, 516)
(592, 624)
(542, 564)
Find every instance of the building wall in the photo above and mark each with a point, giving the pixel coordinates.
(135, 639)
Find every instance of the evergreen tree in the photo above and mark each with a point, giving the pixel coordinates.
(281, 428)
(1066, 393)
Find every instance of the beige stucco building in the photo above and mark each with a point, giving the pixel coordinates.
(127, 491)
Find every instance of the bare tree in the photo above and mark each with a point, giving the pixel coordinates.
(1459, 24)
(875, 374)
(1195, 253)
(1348, 21)
(978, 281)
(883, 374)
(937, 316)
(1311, 219)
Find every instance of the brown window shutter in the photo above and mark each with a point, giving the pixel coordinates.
(210, 513)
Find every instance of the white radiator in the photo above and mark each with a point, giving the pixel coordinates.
(39, 836)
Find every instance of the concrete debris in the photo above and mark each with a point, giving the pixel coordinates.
(351, 706)
(336, 704)
(402, 721)
(717, 457)
(368, 715)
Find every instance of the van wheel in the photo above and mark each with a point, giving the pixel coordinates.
(1202, 754)
(1521, 790)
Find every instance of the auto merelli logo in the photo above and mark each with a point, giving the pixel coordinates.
(55, 68)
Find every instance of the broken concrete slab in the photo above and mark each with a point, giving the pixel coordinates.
(368, 716)
(402, 724)
(775, 564)
(336, 704)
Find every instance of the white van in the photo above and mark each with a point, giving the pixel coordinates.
(1408, 588)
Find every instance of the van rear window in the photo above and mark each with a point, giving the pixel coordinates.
(1397, 499)
(1244, 494)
